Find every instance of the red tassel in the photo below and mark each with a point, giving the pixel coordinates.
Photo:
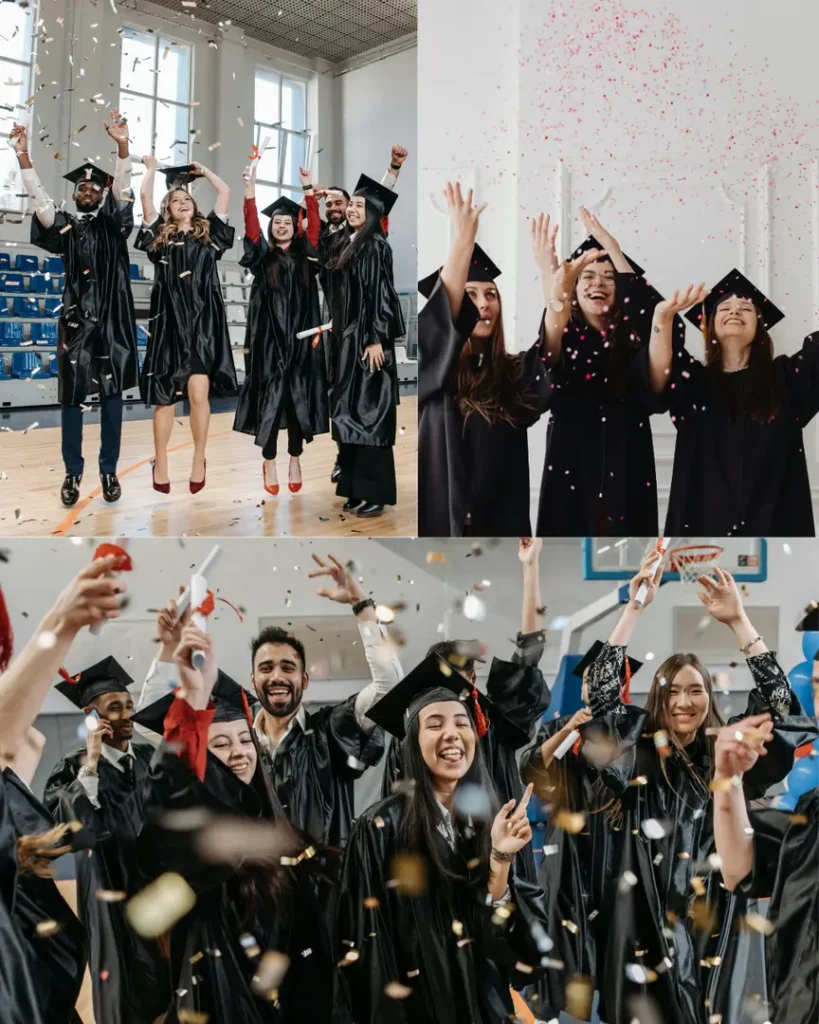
(6, 635)
(299, 228)
(104, 550)
(206, 607)
(224, 600)
(576, 747)
(385, 225)
(481, 721)
(69, 678)
(246, 706)
(625, 689)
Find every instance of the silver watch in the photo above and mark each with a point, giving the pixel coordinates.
(556, 305)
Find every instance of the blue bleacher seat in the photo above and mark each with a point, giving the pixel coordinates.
(26, 305)
(11, 282)
(53, 306)
(5, 307)
(52, 366)
(11, 332)
(4, 374)
(5, 261)
(25, 365)
(28, 264)
(40, 284)
(142, 335)
(136, 272)
(54, 265)
(44, 334)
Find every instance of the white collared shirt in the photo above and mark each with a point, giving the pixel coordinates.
(91, 783)
(270, 744)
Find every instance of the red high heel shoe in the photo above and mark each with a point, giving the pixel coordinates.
(197, 485)
(270, 488)
(162, 488)
(294, 487)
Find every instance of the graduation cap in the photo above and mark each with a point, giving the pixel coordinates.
(810, 621)
(107, 676)
(283, 205)
(592, 243)
(179, 177)
(735, 283)
(89, 172)
(379, 195)
(431, 681)
(591, 656)
(229, 698)
(481, 268)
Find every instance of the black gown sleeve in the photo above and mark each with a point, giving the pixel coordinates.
(55, 238)
(253, 255)
(518, 691)
(770, 828)
(121, 214)
(440, 340)
(66, 800)
(353, 749)
(802, 379)
(381, 321)
(221, 235)
(144, 240)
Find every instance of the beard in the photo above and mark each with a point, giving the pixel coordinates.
(87, 205)
(280, 708)
(335, 217)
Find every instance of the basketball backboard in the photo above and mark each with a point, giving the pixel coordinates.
(612, 558)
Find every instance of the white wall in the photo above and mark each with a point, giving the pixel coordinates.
(689, 127)
(375, 108)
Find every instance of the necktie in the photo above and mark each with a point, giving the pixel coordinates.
(127, 763)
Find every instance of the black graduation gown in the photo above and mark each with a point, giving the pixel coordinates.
(786, 869)
(735, 476)
(188, 332)
(96, 336)
(18, 981)
(277, 365)
(366, 310)
(330, 244)
(652, 903)
(411, 940)
(313, 771)
(473, 476)
(57, 962)
(219, 984)
(599, 478)
(136, 987)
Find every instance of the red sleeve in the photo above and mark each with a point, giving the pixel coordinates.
(313, 219)
(188, 728)
(253, 229)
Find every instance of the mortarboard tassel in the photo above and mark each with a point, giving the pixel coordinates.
(385, 225)
(246, 707)
(6, 635)
(625, 689)
(481, 721)
(64, 674)
(299, 225)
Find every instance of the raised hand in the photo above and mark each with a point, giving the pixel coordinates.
(682, 299)
(118, 127)
(651, 573)
(579, 718)
(511, 830)
(740, 745)
(150, 162)
(398, 155)
(594, 227)
(19, 138)
(200, 168)
(92, 597)
(97, 731)
(169, 628)
(564, 277)
(305, 177)
(721, 597)
(529, 549)
(464, 216)
(197, 684)
(544, 237)
(345, 590)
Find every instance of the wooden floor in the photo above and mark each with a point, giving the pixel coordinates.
(233, 502)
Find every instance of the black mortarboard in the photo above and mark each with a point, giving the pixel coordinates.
(89, 172)
(227, 698)
(458, 652)
(591, 655)
(735, 283)
(179, 177)
(281, 206)
(810, 621)
(107, 676)
(592, 243)
(431, 681)
(481, 268)
(382, 197)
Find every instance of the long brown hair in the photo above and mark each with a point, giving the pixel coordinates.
(168, 233)
(761, 400)
(492, 390)
(36, 852)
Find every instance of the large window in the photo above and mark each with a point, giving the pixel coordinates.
(17, 49)
(155, 96)
(281, 121)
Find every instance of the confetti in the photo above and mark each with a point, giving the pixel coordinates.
(270, 973)
(474, 609)
(46, 640)
(757, 923)
(110, 895)
(160, 905)
(579, 995)
(570, 821)
(214, 145)
(436, 558)
(408, 872)
(45, 929)
(395, 990)
(653, 829)
(639, 974)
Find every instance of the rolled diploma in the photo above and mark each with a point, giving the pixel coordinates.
(313, 331)
(642, 593)
(203, 570)
(199, 591)
(567, 744)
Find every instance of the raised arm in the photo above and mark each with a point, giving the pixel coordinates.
(313, 218)
(221, 205)
(465, 219)
(118, 130)
(146, 189)
(529, 554)
(660, 348)
(607, 241)
(397, 157)
(253, 230)
(44, 208)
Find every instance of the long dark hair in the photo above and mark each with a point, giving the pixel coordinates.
(372, 227)
(418, 831)
(761, 400)
(493, 389)
(620, 343)
(275, 253)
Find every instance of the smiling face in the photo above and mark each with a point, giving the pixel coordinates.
(335, 209)
(596, 289)
(486, 297)
(116, 709)
(233, 744)
(688, 702)
(735, 320)
(279, 679)
(446, 739)
(87, 196)
(357, 212)
(282, 228)
(181, 207)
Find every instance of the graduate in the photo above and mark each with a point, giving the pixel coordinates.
(476, 401)
(599, 478)
(668, 921)
(285, 378)
(367, 320)
(772, 854)
(210, 761)
(575, 868)
(739, 416)
(424, 929)
(105, 787)
(188, 354)
(96, 338)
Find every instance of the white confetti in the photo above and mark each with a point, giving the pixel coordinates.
(474, 608)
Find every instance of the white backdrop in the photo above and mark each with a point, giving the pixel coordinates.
(689, 127)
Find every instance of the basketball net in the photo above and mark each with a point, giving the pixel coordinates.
(693, 561)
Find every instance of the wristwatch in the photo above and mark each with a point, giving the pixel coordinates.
(361, 605)
(556, 305)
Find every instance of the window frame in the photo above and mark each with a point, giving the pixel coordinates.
(18, 115)
(262, 128)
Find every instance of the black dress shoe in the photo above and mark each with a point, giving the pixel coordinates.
(70, 490)
(370, 511)
(111, 489)
(350, 504)
(334, 476)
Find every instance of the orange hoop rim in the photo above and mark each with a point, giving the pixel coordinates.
(693, 554)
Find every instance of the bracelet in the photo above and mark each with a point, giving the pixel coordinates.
(85, 770)
(306, 188)
(361, 605)
(504, 858)
(744, 650)
(395, 167)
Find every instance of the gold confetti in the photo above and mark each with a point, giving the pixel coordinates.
(214, 145)
(640, 780)
(395, 990)
(349, 957)
(409, 872)
(371, 903)
(720, 785)
(186, 273)
(570, 926)
(798, 819)
(160, 905)
(758, 923)
(523, 968)
(45, 929)
(436, 558)
(378, 821)
(571, 822)
(111, 895)
(270, 974)
(192, 1017)
(698, 885)
(457, 927)
(196, 957)
(579, 994)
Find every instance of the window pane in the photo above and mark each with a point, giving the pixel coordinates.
(10, 183)
(173, 80)
(267, 97)
(138, 113)
(171, 145)
(14, 85)
(294, 105)
(295, 156)
(269, 164)
(15, 35)
(138, 67)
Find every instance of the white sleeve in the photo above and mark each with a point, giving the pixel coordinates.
(43, 206)
(91, 785)
(389, 179)
(121, 186)
(385, 669)
(160, 679)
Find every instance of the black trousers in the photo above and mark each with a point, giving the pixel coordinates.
(110, 435)
(367, 472)
(295, 440)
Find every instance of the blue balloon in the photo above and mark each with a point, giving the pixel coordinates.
(810, 644)
(800, 679)
(803, 777)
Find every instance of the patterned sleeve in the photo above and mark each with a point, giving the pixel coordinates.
(772, 682)
(605, 682)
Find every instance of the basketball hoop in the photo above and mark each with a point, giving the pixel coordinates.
(693, 561)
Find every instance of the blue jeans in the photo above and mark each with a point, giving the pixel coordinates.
(111, 432)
